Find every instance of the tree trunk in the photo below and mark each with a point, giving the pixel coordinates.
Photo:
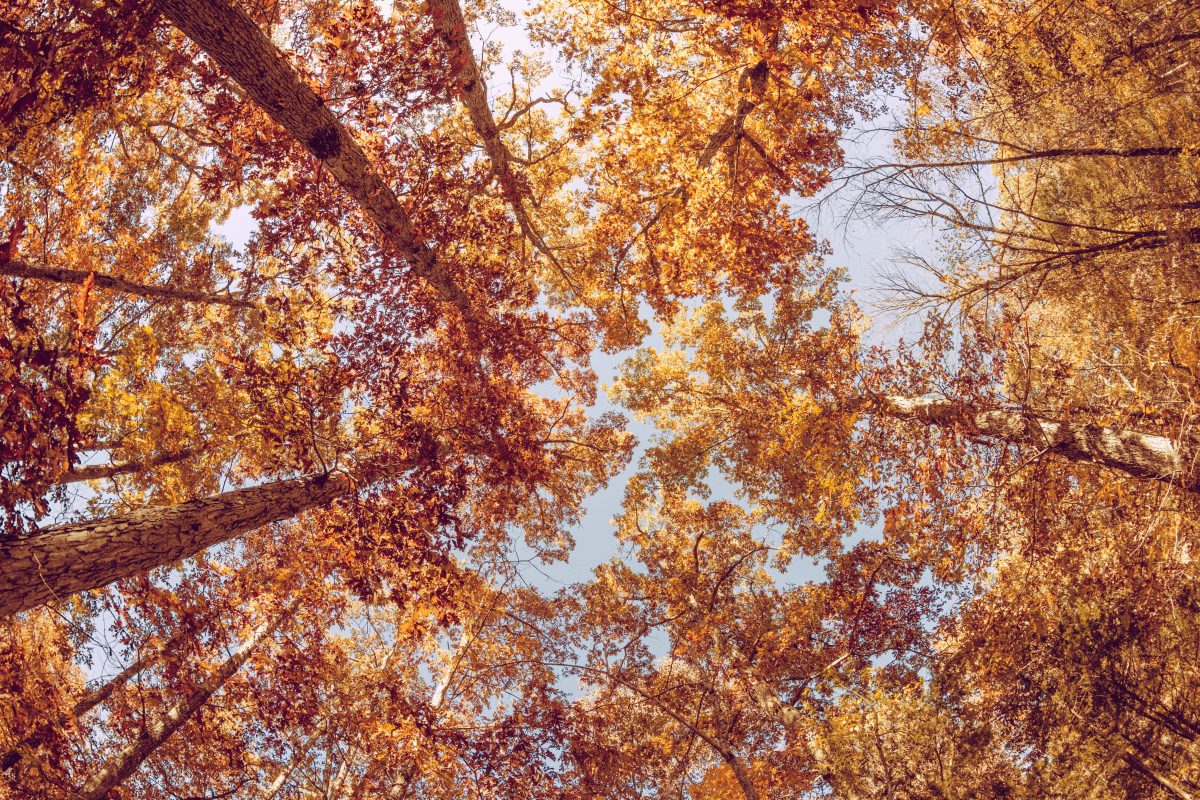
(1172, 786)
(1144, 455)
(23, 269)
(448, 20)
(789, 717)
(287, 771)
(55, 562)
(232, 39)
(86, 703)
(125, 763)
(97, 472)
(400, 789)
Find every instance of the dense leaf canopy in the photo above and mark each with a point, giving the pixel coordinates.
(277, 509)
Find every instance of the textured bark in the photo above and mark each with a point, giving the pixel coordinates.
(120, 767)
(232, 39)
(97, 472)
(55, 562)
(85, 704)
(23, 269)
(1144, 455)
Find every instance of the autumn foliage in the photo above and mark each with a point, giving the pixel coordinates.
(327, 329)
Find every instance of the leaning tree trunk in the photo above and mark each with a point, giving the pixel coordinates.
(286, 773)
(400, 789)
(1144, 455)
(55, 562)
(232, 38)
(89, 701)
(125, 763)
(23, 269)
(95, 472)
(448, 20)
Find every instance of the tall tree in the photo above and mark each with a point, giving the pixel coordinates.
(117, 769)
(54, 563)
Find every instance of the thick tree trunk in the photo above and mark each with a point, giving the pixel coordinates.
(232, 39)
(23, 269)
(55, 562)
(125, 763)
(1144, 455)
(86, 703)
(97, 472)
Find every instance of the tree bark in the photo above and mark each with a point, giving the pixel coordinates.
(96, 472)
(1143, 455)
(125, 763)
(55, 562)
(233, 39)
(23, 269)
(86, 703)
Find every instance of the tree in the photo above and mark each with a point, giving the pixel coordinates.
(949, 567)
(89, 701)
(117, 769)
(57, 562)
(1056, 162)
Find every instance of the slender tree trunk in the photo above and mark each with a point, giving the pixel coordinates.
(1144, 455)
(100, 471)
(287, 771)
(233, 39)
(1022, 154)
(86, 703)
(448, 20)
(55, 562)
(23, 269)
(769, 703)
(400, 789)
(1172, 786)
(101, 693)
(125, 763)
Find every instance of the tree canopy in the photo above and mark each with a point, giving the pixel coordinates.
(275, 513)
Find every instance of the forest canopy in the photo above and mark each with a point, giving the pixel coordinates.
(280, 512)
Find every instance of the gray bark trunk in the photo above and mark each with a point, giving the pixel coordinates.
(232, 39)
(55, 562)
(1144, 455)
(125, 763)
(23, 269)
(97, 472)
(86, 703)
